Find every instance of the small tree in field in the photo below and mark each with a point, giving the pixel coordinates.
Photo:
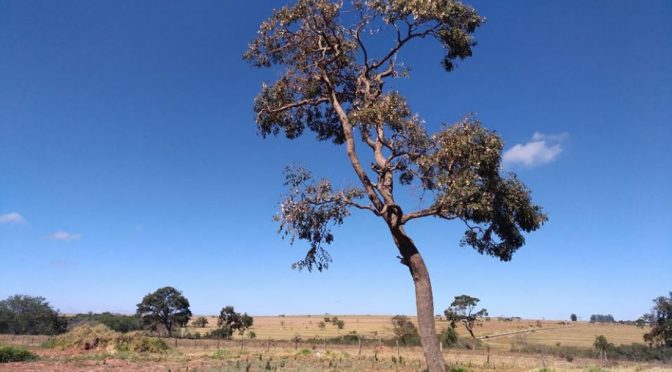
(404, 330)
(229, 320)
(573, 317)
(167, 307)
(462, 310)
(333, 83)
(601, 345)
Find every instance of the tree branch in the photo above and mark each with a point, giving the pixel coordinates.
(350, 146)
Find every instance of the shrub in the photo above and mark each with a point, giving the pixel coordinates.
(200, 322)
(458, 369)
(448, 337)
(220, 354)
(304, 352)
(15, 354)
(219, 333)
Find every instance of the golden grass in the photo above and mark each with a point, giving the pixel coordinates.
(581, 334)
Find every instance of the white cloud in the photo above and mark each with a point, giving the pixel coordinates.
(12, 218)
(549, 137)
(542, 149)
(64, 235)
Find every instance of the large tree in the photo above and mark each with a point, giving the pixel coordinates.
(21, 314)
(167, 307)
(332, 83)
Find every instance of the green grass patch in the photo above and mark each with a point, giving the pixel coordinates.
(15, 354)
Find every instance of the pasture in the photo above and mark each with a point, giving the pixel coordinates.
(273, 349)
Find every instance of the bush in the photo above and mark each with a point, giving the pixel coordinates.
(223, 333)
(15, 354)
(200, 322)
(448, 337)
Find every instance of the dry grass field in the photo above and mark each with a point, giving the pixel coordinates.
(281, 354)
(581, 334)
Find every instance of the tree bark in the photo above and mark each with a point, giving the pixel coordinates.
(424, 300)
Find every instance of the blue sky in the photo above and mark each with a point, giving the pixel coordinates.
(129, 160)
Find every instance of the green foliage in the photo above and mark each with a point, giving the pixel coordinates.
(332, 85)
(660, 320)
(405, 331)
(167, 307)
(229, 321)
(220, 354)
(573, 317)
(601, 343)
(15, 354)
(448, 337)
(116, 322)
(632, 352)
(351, 338)
(222, 333)
(462, 310)
(200, 322)
(21, 314)
(458, 369)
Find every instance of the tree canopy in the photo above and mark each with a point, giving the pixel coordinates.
(21, 314)
(660, 320)
(333, 85)
(167, 307)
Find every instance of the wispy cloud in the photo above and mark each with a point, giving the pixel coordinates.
(64, 235)
(12, 218)
(542, 149)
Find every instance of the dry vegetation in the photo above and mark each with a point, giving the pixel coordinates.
(580, 334)
(282, 355)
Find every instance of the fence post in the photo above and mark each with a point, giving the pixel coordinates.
(397, 348)
(360, 346)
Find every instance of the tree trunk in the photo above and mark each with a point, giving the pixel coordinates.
(424, 300)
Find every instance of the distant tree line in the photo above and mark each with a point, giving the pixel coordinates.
(162, 312)
(601, 318)
(116, 322)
